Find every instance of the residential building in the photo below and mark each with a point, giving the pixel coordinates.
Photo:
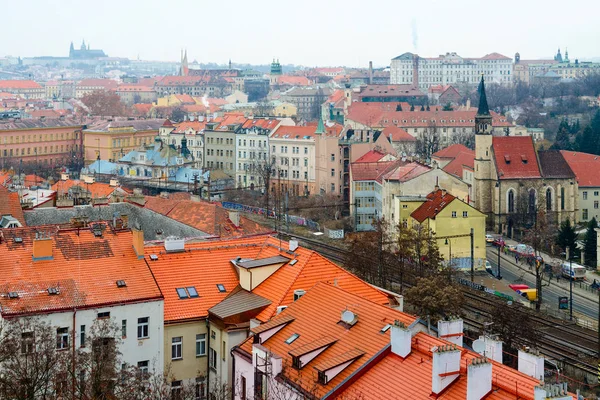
(253, 159)
(403, 142)
(537, 134)
(91, 85)
(459, 161)
(585, 167)
(216, 290)
(575, 70)
(328, 158)
(444, 94)
(112, 139)
(388, 94)
(71, 192)
(193, 131)
(44, 273)
(284, 109)
(525, 70)
(452, 220)
(195, 85)
(293, 156)
(357, 349)
(133, 94)
(450, 126)
(513, 181)
(449, 69)
(11, 212)
(219, 143)
(48, 142)
(308, 100)
(27, 89)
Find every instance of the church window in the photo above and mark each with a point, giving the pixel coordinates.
(562, 198)
(548, 199)
(511, 201)
(531, 208)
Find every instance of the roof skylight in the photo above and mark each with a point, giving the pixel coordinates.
(291, 339)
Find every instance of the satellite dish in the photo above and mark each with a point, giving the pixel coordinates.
(479, 346)
(348, 317)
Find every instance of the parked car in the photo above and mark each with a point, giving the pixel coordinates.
(499, 241)
(489, 239)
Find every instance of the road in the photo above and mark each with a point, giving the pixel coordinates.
(511, 273)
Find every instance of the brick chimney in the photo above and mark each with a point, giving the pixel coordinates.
(531, 363)
(445, 367)
(479, 378)
(42, 247)
(451, 330)
(138, 242)
(400, 338)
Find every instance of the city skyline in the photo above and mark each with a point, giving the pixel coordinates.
(337, 34)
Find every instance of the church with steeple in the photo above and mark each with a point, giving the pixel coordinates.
(514, 183)
(85, 52)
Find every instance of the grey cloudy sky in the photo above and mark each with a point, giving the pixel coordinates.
(308, 32)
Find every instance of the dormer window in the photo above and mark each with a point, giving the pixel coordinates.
(524, 158)
(507, 158)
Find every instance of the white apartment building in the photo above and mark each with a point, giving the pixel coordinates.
(293, 148)
(252, 152)
(449, 69)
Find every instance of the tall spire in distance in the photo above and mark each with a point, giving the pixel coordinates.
(483, 108)
(320, 127)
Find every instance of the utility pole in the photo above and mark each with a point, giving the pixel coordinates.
(499, 274)
(568, 254)
(472, 255)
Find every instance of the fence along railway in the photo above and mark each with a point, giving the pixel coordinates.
(569, 344)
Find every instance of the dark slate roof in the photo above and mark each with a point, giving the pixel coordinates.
(405, 56)
(262, 262)
(554, 165)
(38, 123)
(239, 302)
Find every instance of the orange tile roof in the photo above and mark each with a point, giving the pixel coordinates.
(204, 216)
(381, 381)
(436, 202)
(96, 189)
(19, 84)
(515, 157)
(371, 156)
(585, 166)
(294, 132)
(316, 316)
(264, 123)
(107, 84)
(207, 263)
(11, 205)
(5, 178)
(32, 179)
(73, 269)
(293, 80)
(462, 160)
(397, 134)
(452, 151)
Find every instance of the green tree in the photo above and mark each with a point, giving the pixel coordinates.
(586, 142)
(563, 136)
(590, 243)
(567, 237)
(447, 107)
(399, 107)
(412, 107)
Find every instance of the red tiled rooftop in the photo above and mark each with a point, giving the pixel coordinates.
(452, 151)
(19, 84)
(294, 132)
(73, 269)
(436, 201)
(96, 189)
(585, 166)
(461, 161)
(10, 204)
(371, 156)
(515, 157)
(397, 134)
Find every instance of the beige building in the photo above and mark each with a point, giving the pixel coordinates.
(284, 109)
(328, 158)
(133, 94)
(27, 89)
(91, 85)
(219, 143)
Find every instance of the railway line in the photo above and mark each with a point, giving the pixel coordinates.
(560, 341)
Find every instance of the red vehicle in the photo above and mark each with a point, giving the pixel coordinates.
(499, 241)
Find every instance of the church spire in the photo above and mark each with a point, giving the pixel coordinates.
(483, 104)
(320, 127)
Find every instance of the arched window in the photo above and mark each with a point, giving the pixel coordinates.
(511, 201)
(562, 198)
(548, 199)
(531, 203)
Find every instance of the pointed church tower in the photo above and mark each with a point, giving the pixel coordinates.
(483, 179)
(184, 65)
(71, 50)
(320, 127)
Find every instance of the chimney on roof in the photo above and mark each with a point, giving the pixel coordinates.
(42, 247)
(489, 347)
(234, 217)
(400, 338)
(557, 391)
(479, 378)
(445, 367)
(531, 363)
(451, 330)
(370, 72)
(444, 192)
(138, 242)
(293, 245)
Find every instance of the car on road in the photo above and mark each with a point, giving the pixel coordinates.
(499, 241)
(489, 239)
(488, 266)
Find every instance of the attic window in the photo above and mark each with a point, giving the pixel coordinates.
(13, 295)
(182, 293)
(294, 261)
(53, 291)
(192, 291)
(153, 257)
(298, 293)
(221, 288)
(121, 283)
(507, 158)
(291, 339)
(385, 328)
(524, 158)
(296, 362)
(18, 240)
(104, 315)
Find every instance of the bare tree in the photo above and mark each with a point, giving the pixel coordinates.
(428, 142)
(263, 108)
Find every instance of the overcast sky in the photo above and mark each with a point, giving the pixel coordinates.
(308, 32)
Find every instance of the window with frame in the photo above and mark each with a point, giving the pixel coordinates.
(27, 343)
(177, 348)
(104, 315)
(82, 336)
(200, 388)
(212, 358)
(243, 388)
(596, 193)
(332, 172)
(143, 328)
(62, 338)
(584, 214)
(585, 195)
(200, 344)
(596, 204)
(465, 214)
(124, 328)
(453, 214)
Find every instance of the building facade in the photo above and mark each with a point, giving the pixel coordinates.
(449, 69)
(253, 158)
(27, 89)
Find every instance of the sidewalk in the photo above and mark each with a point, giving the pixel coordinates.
(562, 284)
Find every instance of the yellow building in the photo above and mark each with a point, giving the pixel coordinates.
(451, 220)
(284, 109)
